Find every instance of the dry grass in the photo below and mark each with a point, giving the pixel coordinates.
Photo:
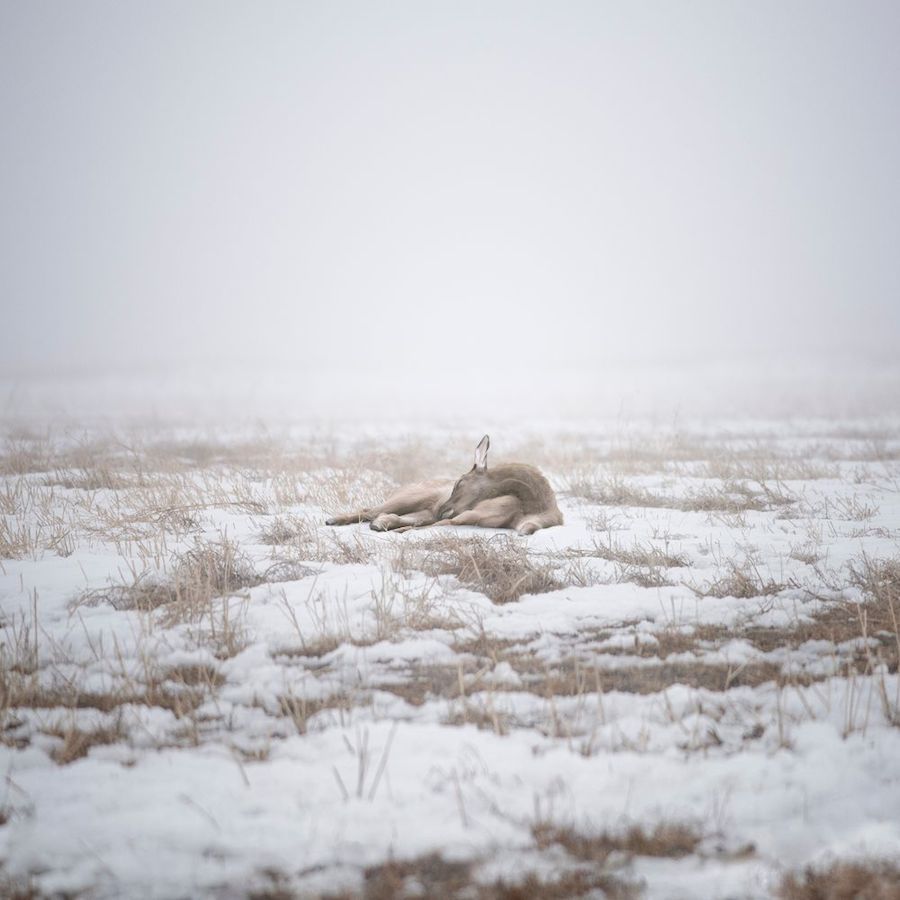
(770, 468)
(870, 880)
(207, 571)
(93, 478)
(574, 677)
(146, 498)
(645, 565)
(878, 616)
(422, 681)
(179, 689)
(879, 580)
(808, 553)
(211, 569)
(321, 645)
(19, 540)
(400, 606)
(301, 709)
(483, 644)
(498, 567)
(852, 509)
(210, 452)
(730, 497)
(25, 453)
(692, 639)
(637, 555)
(667, 840)
(742, 580)
(298, 539)
(611, 491)
(28, 694)
(19, 889)
(433, 876)
(77, 743)
(349, 488)
(25, 686)
(481, 714)
(287, 530)
(838, 621)
(411, 459)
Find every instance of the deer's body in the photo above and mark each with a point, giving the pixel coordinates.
(513, 495)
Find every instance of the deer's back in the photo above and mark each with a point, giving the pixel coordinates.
(527, 483)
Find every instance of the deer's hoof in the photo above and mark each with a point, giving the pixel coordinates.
(385, 522)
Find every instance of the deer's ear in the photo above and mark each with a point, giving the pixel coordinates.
(481, 454)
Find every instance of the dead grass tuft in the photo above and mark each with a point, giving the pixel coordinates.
(483, 643)
(570, 677)
(875, 617)
(437, 876)
(871, 880)
(322, 645)
(573, 677)
(92, 478)
(610, 491)
(741, 580)
(208, 452)
(668, 840)
(16, 541)
(879, 617)
(730, 497)
(808, 553)
(497, 566)
(77, 743)
(298, 539)
(193, 675)
(287, 569)
(680, 640)
(19, 889)
(433, 876)
(209, 570)
(879, 579)
(355, 487)
(343, 552)
(23, 454)
(213, 569)
(637, 555)
(422, 681)
(482, 715)
(770, 468)
(301, 709)
(286, 530)
(144, 595)
(643, 565)
(19, 539)
(850, 509)
(181, 691)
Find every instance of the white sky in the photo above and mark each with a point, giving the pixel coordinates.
(480, 188)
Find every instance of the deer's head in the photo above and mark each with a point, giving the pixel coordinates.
(472, 488)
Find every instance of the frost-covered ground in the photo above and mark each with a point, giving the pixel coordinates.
(688, 690)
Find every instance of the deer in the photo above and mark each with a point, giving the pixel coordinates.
(513, 495)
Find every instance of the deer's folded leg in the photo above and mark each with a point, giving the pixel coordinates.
(354, 518)
(391, 522)
(498, 512)
(530, 524)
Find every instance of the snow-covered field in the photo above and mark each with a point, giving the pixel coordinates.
(688, 690)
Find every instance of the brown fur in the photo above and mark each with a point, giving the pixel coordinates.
(414, 500)
(513, 495)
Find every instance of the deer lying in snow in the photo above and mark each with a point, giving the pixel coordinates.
(510, 496)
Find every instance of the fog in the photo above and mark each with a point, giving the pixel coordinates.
(348, 207)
